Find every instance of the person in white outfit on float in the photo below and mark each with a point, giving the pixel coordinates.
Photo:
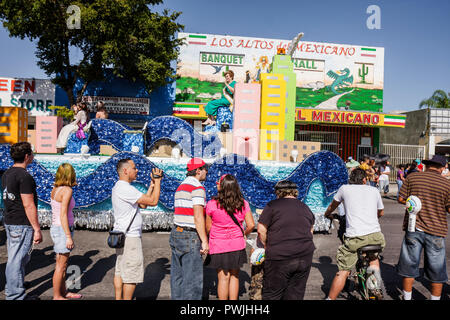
(80, 118)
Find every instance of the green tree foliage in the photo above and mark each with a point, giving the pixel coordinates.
(439, 99)
(63, 112)
(124, 36)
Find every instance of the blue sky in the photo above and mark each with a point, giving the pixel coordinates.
(415, 35)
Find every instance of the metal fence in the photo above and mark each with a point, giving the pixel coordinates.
(401, 154)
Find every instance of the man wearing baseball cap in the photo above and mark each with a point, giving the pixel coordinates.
(433, 190)
(188, 239)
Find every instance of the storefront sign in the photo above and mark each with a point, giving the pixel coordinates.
(125, 105)
(349, 118)
(35, 95)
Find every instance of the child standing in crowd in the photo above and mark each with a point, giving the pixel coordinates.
(383, 180)
(224, 216)
(411, 168)
(400, 176)
(61, 231)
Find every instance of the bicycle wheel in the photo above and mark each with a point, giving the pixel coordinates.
(374, 289)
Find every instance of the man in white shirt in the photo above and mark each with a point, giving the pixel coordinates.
(126, 201)
(363, 206)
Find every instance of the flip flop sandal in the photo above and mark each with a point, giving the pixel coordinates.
(72, 295)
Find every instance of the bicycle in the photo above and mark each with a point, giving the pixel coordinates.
(367, 284)
(360, 280)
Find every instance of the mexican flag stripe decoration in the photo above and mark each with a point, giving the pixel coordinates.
(186, 109)
(197, 39)
(368, 52)
(398, 121)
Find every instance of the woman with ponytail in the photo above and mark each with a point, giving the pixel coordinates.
(227, 237)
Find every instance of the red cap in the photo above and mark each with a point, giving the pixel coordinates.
(195, 163)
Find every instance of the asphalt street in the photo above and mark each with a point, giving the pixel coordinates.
(91, 265)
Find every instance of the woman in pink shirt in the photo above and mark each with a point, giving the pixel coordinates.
(227, 238)
(61, 231)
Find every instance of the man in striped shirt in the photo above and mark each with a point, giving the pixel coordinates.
(433, 190)
(188, 239)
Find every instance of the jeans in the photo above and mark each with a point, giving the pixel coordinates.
(286, 279)
(435, 269)
(399, 184)
(19, 243)
(186, 270)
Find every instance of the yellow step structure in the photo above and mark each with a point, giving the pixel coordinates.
(13, 125)
(272, 123)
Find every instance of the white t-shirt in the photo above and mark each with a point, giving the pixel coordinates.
(361, 205)
(124, 199)
(385, 176)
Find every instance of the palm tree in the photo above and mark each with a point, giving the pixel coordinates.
(439, 99)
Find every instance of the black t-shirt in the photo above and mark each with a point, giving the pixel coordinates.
(289, 222)
(16, 181)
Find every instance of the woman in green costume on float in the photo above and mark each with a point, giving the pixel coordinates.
(225, 101)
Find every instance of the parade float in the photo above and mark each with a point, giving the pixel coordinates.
(254, 140)
(318, 176)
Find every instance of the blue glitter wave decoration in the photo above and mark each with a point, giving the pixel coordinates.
(74, 144)
(181, 132)
(5, 157)
(96, 187)
(224, 115)
(106, 131)
(123, 138)
(110, 132)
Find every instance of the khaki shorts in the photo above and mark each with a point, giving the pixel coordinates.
(130, 261)
(346, 254)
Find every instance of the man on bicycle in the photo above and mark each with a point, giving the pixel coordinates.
(363, 206)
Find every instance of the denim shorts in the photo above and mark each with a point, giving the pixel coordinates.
(435, 269)
(59, 239)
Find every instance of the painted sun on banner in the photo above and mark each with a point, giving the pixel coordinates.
(329, 76)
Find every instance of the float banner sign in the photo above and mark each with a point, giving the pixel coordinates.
(125, 105)
(35, 95)
(328, 75)
(349, 118)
